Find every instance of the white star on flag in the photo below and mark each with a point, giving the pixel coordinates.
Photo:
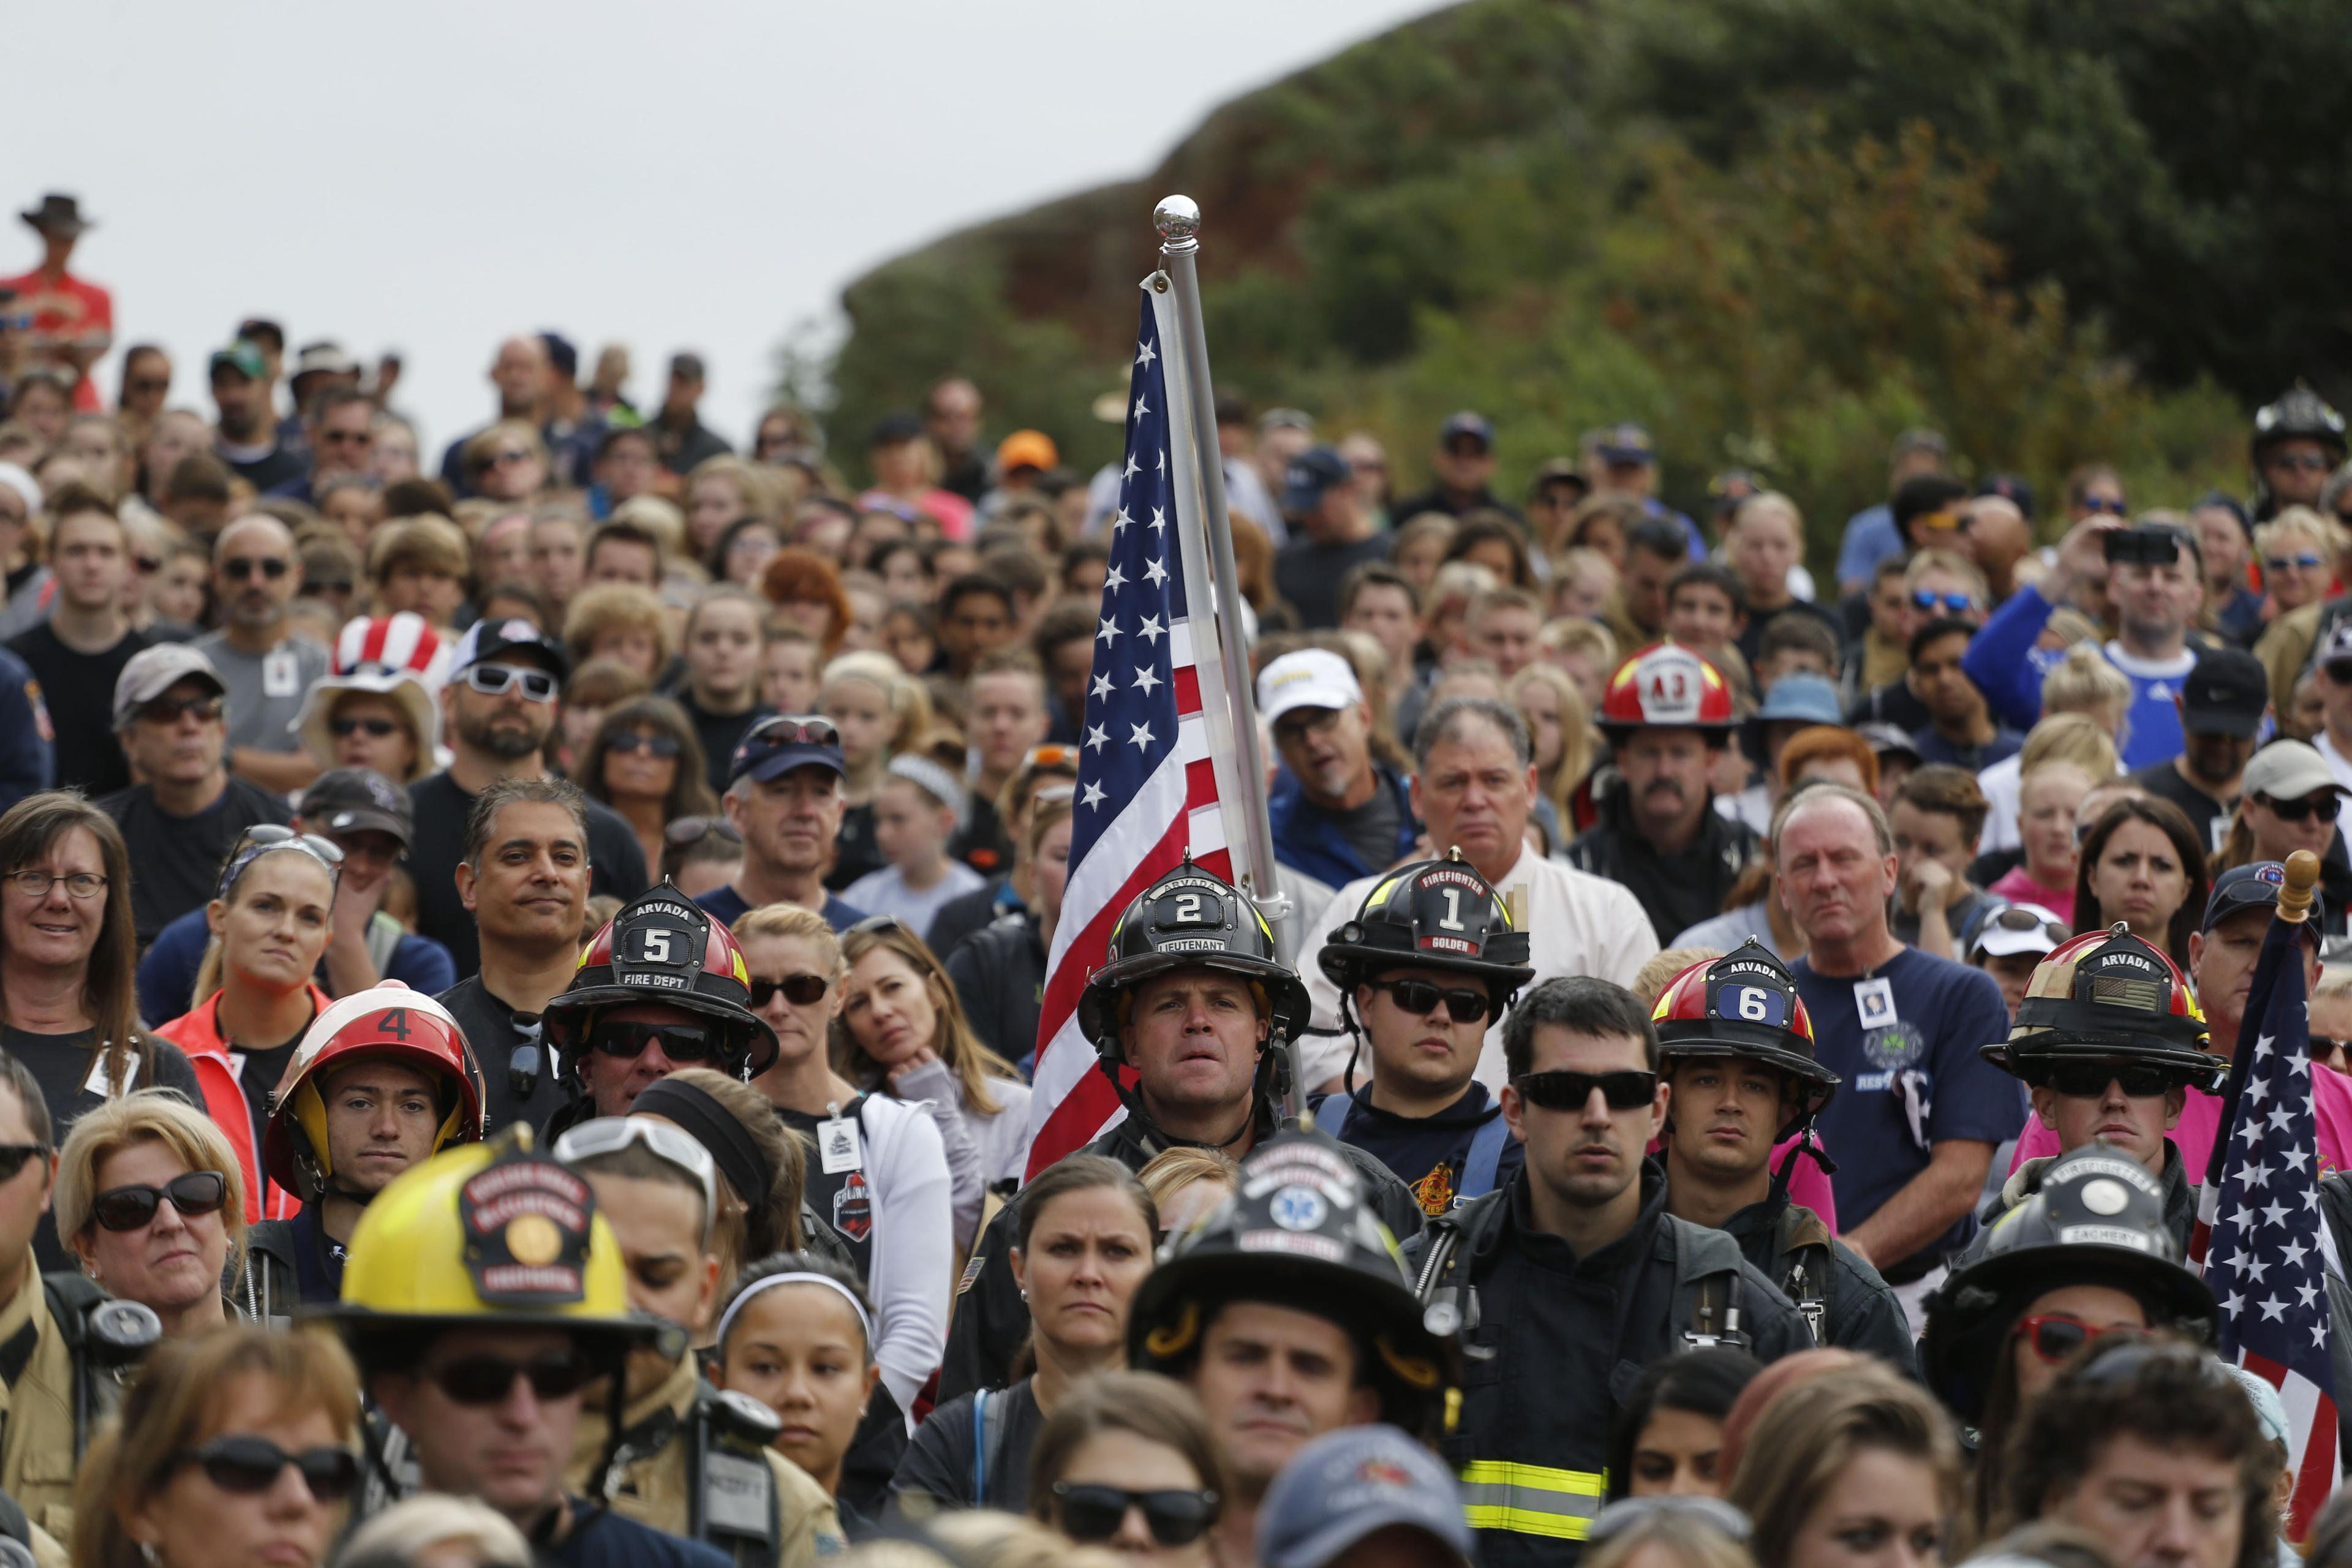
(1145, 679)
(1155, 573)
(1095, 735)
(1142, 736)
(1114, 580)
(1093, 795)
(1151, 631)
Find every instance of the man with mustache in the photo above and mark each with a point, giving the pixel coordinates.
(1569, 1280)
(1737, 1049)
(1668, 716)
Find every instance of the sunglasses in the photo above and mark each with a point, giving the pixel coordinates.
(134, 1208)
(480, 1380)
(256, 842)
(2309, 462)
(2054, 1336)
(494, 680)
(2015, 918)
(171, 709)
(341, 729)
(800, 990)
(678, 1042)
(148, 565)
(1175, 1518)
(689, 831)
(2090, 1079)
(2111, 506)
(1954, 603)
(787, 730)
(661, 747)
(13, 1157)
(238, 568)
(2281, 563)
(1625, 1091)
(666, 1140)
(2322, 805)
(245, 1465)
(1464, 1004)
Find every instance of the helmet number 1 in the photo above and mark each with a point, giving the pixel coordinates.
(656, 946)
(1451, 920)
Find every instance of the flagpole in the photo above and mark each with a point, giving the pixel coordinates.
(1178, 219)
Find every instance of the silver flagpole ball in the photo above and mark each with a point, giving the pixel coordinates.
(1176, 217)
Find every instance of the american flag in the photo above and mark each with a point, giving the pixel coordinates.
(2258, 1230)
(1148, 786)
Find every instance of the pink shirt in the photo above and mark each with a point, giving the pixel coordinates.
(2020, 888)
(2201, 1120)
(1808, 1188)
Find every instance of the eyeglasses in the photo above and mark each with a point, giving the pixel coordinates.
(2054, 1336)
(13, 1156)
(678, 1042)
(171, 709)
(480, 1380)
(341, 729)
(2090, 1079)
(1954, 603)
(665, 1140)
(134, 1208)
(493, 680)
(2323, 804)
(36, 885)
(662, 747)
(245, 1465)
(800, 990)
(2112, 505)
(1174, 1517)
(258, 841)
(786, 730)
(1625, 1091)
(689, 831)
(1464, 1004)
(2281, 563)
(238, 568)
(1626, 1513)
(2309, 462)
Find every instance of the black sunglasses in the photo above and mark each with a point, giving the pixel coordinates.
(1464, 1004)
(688, 831)
(245, 1465)
(800, 990)
(342, 729)
(13, 1156)
(787, 730)
(171, 709)
(1175, 1517)
(133, 1208)
(2089, 1079)
(238, 568)
(663, 747)
(2299, 810)
(487, 1379)
(679, 1042)
(1624, 1091)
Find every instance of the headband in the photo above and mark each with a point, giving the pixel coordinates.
(727, 1319)
(932, 780)
(732, 1148)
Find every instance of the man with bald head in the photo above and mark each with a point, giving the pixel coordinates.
(265, 668)
(1919, 1113)
(520, 374)
(1996, 535)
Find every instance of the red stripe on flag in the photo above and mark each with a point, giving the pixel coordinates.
(1188, 691)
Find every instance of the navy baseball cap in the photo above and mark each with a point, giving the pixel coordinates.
(1343, 1486)
(1628, 443)
(505, 640)
(2256, 885)
(1466, 423)
(2227, 693)
(2013, 490)
(1309, 475)
(774, 747)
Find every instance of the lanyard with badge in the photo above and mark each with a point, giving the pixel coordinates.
(1874, 1004)
(840, 1150)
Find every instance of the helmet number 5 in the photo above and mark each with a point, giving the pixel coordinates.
(655, 947)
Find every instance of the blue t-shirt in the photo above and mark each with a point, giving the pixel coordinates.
(602, 1539)
(2151, 732)
(1923, 1060)
(1869, 538)
(727, 906)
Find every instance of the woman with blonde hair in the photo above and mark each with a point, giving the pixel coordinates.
(1848, 1456)
(1560, 726)
(622, 621)
(2081, 684)
(1187, 1182)
(724, 490)
(506, 462)
(878, 709)
(891, 1208)
(194, 1469)
(902, 1031)
(436, 1528)
(1668, 1533)
(2297, 550)
(151, 1198)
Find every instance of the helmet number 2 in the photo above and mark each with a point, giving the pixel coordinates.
(1188, 909)
(654, 949)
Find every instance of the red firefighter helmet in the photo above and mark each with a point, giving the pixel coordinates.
(2106, 995)
(1745, 1004)
(389, 1023)
(1666, 686)
(661, 949)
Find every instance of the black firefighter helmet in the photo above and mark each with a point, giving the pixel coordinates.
(2098, 1219)
(660, 948)
(1189, 918)
(1298, 1233)
(1432, 914)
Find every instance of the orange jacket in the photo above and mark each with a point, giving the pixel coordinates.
(198, 1033)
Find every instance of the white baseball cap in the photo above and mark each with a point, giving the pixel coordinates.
(2019, 927)
(1311, 677)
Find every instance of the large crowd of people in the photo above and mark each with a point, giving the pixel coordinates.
(521, 979)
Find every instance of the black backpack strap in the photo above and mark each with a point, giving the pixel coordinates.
(1707, 1265)
(1453, 1302)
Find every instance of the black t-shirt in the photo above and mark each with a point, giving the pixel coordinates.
(981, 843)
(1308, 574)
(77, 688)
(617, 864)
(493, 1030)
(719, 733)
(2210, 817)
(854, 848)
(939, 1459)
(62, 1066)
(178, 859)
(600, 1538)
(1371, 828)
(258, 1073)
(846, 1204)
(274, 468)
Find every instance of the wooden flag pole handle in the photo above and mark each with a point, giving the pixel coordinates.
(2302, 877)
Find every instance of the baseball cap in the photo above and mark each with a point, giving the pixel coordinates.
(2225, 694)
(2336, 646)
(776, 746)
(1309, 475)
(1310, 677)
(2255, 886)
(1560, 470)
(2019, 928)
(1919, 439)
(1285, 419)
(2269, 1409)
(687, 366)
(1888, 739)
(241, 357)
(153, 671)
(1628, 443)
(1809, 698)
(1345, 1485)
(1026, 449)
(1466, 423)
(563, 354)
(500, 639)
(325, 357)
(358, 800)
(2011, 488)
(2288, 770)
(893, 428)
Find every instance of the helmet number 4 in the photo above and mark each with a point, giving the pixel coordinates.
(393, 1023)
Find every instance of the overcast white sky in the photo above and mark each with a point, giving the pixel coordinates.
(435, 174)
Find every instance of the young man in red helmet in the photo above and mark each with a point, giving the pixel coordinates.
(381, 1081)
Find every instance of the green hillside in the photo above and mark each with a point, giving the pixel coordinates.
(1777, 231)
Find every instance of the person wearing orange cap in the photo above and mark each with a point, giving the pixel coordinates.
(1667, 715)
(1021, 459)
